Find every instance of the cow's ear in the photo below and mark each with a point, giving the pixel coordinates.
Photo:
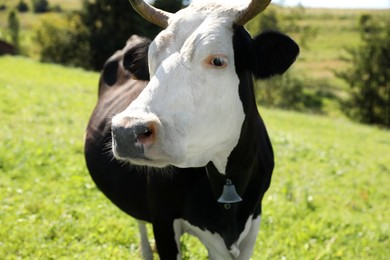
(273, 54)
(110, 72)
(135, 60)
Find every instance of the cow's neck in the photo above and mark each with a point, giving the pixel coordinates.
(242, 169)
(241, 166)
(242, 161)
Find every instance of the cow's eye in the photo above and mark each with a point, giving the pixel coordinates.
(217, 61)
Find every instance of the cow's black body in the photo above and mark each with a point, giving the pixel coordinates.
(160, 196)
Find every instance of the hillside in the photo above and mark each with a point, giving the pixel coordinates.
(320, 91)
(335, 30)
(328, 198)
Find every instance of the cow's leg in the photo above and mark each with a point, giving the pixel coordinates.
(248, 243)
(167, 241)
(146, 250)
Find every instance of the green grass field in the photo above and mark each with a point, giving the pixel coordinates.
(328, 199)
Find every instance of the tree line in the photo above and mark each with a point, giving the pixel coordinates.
(86, 38)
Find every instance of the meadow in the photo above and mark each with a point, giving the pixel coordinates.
(328, 199)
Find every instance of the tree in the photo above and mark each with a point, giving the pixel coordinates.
(95, 33)
(269, 21)
(369, 76)
(62, 40)
(22, 6)
(289, 22)
(14, 27)
(111, 22)
(288, 91)
(169, 5)
(40, 6)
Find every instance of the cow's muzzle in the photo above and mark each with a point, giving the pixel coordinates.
(130, 138)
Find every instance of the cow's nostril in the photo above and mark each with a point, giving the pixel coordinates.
(145, 135)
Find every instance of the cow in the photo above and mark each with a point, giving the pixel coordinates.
(176, 139)
(6, 48)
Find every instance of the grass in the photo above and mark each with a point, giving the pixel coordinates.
(328, 199)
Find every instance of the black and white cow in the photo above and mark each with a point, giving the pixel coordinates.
(177, 120)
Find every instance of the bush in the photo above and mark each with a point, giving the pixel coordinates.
(14, 28)
(289, 23)
(22, 6)
(289, 91)
(40, 6)
(62, 40)
(369, 76)
(112, 22)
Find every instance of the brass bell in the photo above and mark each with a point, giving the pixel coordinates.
(229, 194)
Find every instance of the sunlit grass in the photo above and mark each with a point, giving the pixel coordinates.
(328, 198)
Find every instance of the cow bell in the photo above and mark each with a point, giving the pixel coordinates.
(229, 194)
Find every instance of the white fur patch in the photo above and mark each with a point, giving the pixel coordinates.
(198, 105)
(145, 246)
(241, 249)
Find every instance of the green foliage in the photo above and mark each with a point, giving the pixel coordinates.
(88, 38)
(22, 6)
(62, 40)
(169, 5)
(328, 197)
(288, 92)
(369, 76)
(40, 6)
(270, 20)
(111, 22)
(14, 28)
(289, 23)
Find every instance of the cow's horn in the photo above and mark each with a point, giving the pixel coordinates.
(150, 13)
(254, 8)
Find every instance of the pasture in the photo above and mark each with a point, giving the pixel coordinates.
(328, 198)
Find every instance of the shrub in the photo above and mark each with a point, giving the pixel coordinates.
(289, 91)
(40, 6)
(62, 40)
(14, 28)
(22, 6)
(369, 75)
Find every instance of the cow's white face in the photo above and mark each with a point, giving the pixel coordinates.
(190, 113)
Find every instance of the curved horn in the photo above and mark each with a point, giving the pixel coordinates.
(150, 13)
(254, 8)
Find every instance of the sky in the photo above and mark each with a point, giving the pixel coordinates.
(352, 4)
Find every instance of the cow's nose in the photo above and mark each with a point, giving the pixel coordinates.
(145, 133)
(130, 140)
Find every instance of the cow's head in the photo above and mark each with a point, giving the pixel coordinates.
(191, 112)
